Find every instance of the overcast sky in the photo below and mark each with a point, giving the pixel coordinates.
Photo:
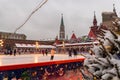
(45, 23)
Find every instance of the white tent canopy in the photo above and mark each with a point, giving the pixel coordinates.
(18, 45)
(78, 44)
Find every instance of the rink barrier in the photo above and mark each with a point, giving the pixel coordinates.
(29, 65)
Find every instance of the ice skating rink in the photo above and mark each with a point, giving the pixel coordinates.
(33, 58)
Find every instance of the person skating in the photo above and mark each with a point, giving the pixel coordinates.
(70, 52)
(46, 52)
(52, 54)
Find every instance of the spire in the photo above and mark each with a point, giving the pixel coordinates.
(62, 29)
(114, 10)
(62, 23)
(94, 20)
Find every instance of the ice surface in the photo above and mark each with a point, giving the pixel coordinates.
(32, 58)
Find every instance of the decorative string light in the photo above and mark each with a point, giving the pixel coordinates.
(36, 9)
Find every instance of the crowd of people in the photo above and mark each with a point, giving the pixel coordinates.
(70, 51)
(14, 51)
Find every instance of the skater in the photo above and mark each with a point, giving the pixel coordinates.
(46, 52)
(10, 52)
(19, 51)
(52, 54)
(43, 52)
(14, 52)
(70, 52)
(75, 52)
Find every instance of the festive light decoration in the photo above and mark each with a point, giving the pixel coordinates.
(37, 45)
(63, 44)
(1, 42)
(43, 72)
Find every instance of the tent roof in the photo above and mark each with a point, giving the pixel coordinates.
(33, 46)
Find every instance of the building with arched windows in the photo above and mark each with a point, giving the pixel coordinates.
(7, 35)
